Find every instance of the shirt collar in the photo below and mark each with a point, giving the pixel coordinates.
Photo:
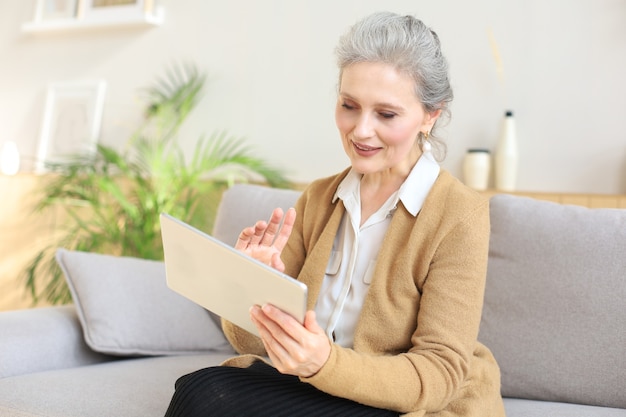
(412, 192)
(349, 186)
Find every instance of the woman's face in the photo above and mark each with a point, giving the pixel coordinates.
(379, 118)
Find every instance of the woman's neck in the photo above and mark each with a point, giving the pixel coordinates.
(377, 187)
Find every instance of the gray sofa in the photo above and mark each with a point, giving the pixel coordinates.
(554, 317)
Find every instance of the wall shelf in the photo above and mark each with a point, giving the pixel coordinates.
(67, 25)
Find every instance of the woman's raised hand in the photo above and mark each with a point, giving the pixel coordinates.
(265, 241)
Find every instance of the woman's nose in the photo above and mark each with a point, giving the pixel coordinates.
(364, 127)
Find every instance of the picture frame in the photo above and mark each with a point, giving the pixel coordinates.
(46, 10)
(109, 10)
(71, 122)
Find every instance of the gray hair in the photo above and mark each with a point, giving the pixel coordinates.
(406, 43)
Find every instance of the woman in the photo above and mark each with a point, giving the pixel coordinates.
(393, 251)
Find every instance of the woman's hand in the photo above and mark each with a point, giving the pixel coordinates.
(265, 241)
(294, 349)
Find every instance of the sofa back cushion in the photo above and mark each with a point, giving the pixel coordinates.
(243, 205)
(555, 303)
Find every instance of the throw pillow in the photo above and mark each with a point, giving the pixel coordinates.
(126, 308)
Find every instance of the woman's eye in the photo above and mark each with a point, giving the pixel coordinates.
(347, 106)
(386, 115)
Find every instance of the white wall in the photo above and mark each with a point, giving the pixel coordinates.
(272, 78)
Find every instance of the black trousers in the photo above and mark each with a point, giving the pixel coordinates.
(258, 391)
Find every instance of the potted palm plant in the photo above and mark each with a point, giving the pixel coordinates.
(112, 201)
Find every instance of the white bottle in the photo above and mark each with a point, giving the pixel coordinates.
(506, 155)
(476, 168)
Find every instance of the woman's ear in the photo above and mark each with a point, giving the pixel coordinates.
(430, 119)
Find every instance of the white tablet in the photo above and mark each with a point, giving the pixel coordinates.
(222, 279)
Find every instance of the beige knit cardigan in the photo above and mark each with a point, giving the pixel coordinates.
(415, 344)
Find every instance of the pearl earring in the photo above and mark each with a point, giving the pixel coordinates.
(426, 146)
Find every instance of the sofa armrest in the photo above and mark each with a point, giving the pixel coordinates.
(42, 339)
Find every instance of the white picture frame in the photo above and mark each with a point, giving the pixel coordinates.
(47, 10)
(98, 11)
(71, 122)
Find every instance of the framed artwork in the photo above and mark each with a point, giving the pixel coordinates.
(71, 122)
(55, 9)
(106, 10)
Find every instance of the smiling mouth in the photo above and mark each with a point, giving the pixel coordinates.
(364, 148)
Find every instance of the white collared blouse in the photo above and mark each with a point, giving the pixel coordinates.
(355, 248)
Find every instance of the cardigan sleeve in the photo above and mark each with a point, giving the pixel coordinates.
(242, 340)
(435, 368)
